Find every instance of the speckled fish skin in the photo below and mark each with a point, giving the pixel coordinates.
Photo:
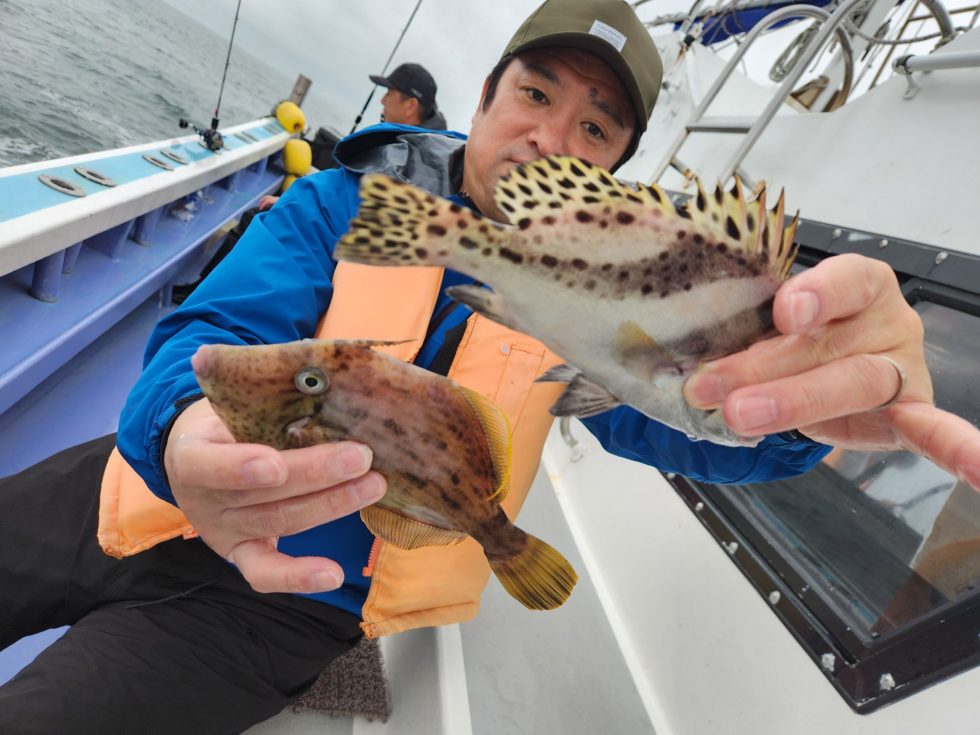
(633, 293)
(443, 450)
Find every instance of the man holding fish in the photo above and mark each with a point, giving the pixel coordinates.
(844, 366)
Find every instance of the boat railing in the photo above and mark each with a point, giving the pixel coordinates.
(753, 128)
(85, 240)
(911, 63)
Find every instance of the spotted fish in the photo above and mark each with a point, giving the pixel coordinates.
(632, 292)
(444, 449)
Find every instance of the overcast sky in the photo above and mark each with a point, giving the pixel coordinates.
(338, 43)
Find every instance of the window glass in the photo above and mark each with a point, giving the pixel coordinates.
(884, 537)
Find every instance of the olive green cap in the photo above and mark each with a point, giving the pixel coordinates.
(611, 31)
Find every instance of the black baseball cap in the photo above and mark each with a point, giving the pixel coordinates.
(609, 29)
(413, 80)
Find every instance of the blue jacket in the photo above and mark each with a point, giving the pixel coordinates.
(275, 285)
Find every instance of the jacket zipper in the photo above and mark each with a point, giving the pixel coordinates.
(372, 558)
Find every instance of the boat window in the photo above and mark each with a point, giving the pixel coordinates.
(887, 536)
(876, 544)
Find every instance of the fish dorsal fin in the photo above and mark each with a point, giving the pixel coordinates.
(746, 226)
(537, 189)
(497, 429)
(778, 237)
(404, 532)
(723, 214)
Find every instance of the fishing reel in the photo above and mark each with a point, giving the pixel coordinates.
(210, 137)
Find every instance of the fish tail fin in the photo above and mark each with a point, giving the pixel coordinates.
(539, 577)
(400, 224)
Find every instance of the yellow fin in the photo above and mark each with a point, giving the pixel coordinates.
(497, 429)
(539, 577)
(536, 189)
(780, 237)
(639, 353)
(405, 532)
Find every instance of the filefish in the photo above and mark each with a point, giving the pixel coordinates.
(444, 449)
(631, 291)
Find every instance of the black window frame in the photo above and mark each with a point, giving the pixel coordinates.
(938, 644)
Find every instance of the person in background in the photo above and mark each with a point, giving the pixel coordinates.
(411, 98)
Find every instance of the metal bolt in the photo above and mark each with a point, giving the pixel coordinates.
(828, 660)
(883, 243)
(774, 597)
(836, 233)
(886, 683)
(731, 547)
(940, 257)
(699, 507)
(671, 475)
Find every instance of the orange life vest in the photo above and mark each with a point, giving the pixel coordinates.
(434, 585)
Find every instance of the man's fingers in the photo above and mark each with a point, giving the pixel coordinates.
(296, 514)
(268, 570)
(198, 462)
(778, 357)
(262, 473)
(836, 288)
(896, 331)
(851, 385)
(948, 440)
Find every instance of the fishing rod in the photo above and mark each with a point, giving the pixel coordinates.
(390, 57)
(211, 137)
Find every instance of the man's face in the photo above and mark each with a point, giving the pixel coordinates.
(400, 108)
(548, 101)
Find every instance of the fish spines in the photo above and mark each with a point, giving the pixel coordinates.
(538, 576)
(746, 225)
(401, 224)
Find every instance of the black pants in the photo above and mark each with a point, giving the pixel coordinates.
(171, 640)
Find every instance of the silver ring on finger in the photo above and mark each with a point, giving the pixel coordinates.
(903, 381)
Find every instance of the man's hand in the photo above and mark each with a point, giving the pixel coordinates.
(241, 498)
(267, 201)
(847, 335)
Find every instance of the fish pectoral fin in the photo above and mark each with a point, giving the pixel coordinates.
(583, 398)
(404, 532)
(497, 430)
(559, 374)
(640, 354)
(483, 302)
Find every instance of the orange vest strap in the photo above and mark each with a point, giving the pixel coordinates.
(388, 304)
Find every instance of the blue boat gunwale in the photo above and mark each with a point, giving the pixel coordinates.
(101, 268)
(51, 227)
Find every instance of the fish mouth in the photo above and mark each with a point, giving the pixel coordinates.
(294, 430)
(203, 363)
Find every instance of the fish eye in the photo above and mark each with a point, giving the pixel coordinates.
(312, 381)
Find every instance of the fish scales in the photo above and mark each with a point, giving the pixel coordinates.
(632, 292)
(443, 450)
